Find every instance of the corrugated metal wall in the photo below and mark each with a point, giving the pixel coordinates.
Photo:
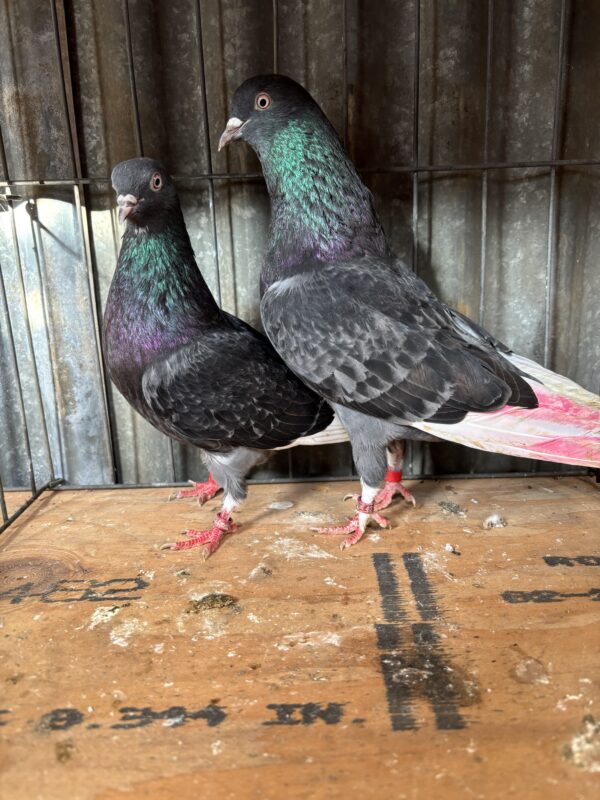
(427, 96)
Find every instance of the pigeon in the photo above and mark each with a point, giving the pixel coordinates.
(195, 372)
(128, 294)
(362, 330)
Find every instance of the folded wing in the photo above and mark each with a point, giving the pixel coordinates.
(370, 335)
(229, 389)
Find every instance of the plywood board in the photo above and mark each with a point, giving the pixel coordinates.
(14, 500)
(282, 667)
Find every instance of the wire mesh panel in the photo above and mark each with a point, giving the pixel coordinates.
(474, 124)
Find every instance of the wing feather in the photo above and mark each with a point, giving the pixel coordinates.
(368, 334)
(230, 389)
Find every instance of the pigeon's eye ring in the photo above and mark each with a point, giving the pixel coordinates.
(156, 182)
(262, 101)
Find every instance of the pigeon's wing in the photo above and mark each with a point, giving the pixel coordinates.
(370, 335)
(473, 332)
(230, 389)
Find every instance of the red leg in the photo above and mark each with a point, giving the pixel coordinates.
(211, 539)
(203, 491)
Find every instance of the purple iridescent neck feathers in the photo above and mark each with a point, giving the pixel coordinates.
(158, 299)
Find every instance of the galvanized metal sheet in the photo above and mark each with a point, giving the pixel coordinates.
(484, 89)
(53, 306)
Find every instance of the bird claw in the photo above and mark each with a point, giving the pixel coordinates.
(398, 488)
(203, 491)
(383, 522)
(209, 538)
(176, 494)
(353, 528)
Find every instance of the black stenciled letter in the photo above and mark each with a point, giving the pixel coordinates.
(114, 590)
(213, 714)
(133, 717)
(401, 661)
(309, 713)
(18, 593)
(61, 719)
(138, 717)
(331, 714)
(284, 713)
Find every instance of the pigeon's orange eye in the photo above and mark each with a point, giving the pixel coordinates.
(156, 182)
(262, 101)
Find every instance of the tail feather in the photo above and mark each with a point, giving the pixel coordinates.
(332, 434)
(564, 428)
(554, 382)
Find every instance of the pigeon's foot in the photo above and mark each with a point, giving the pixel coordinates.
(356, 526)
(389, 491)
(203, 491)
(392, 487)
(211, 539)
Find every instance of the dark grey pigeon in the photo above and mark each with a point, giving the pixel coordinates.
(362, 330)
(198, 374)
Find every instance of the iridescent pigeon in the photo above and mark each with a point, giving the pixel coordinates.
(362, 330)
(196, 373)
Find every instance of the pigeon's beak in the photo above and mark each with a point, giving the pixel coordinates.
(127, 204)
(233, 130)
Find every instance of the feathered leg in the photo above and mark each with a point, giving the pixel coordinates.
(375, 445)
(393, 479)
(203, 491)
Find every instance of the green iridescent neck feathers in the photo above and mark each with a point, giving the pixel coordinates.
(321, 210)
(319, 204)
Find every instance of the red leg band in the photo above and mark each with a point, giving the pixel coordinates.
(365, 508)
(393, 476)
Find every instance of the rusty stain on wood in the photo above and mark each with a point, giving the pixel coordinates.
(280, 667)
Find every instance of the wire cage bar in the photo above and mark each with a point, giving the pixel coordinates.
(559, 110)
(15, 364)
(8, 517)
(486, 144)
(416, 170)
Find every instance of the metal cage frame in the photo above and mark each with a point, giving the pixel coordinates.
(415, 169)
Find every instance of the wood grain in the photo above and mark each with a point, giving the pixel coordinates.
(281, 666)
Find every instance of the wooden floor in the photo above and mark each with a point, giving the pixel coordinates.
(435, 660)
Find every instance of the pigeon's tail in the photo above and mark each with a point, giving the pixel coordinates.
(565, 428)
(333, 434)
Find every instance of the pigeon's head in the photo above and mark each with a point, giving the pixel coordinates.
(263, 105)
(145, 192)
